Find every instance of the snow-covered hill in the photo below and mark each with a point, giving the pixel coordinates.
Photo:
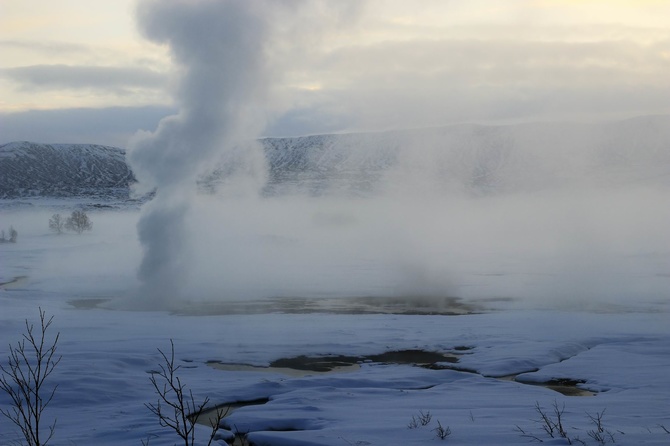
(63, 170)
(467, 158)
(477, 159)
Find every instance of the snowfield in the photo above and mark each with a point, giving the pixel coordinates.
(618, 350)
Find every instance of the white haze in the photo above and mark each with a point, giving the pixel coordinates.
(226, 54)
(219, 47)
(586, 247)
(576, 242)
(558, 248)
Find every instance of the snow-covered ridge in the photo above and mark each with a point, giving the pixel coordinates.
(465, 158)
(63, 170)
(480, 159)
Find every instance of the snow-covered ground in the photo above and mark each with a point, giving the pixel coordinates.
(621, 352)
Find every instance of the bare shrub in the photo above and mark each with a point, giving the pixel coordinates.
(442, 432)
(176, 407)
(57, 224)
(13, 234)
(552, 424)
(30, 363)
(599, 434)
(423, 419)
(78, 222)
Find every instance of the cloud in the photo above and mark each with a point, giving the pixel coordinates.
(502, 62)
(350, 66)
(117, 79)
(309, 121)
(109, 126)
(50, 48)
(438, 81)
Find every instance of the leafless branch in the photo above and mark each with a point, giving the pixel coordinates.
(30, 363)
(176, 408)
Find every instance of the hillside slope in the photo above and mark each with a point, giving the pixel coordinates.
(467, 158)
(63, 170)
(476, 159)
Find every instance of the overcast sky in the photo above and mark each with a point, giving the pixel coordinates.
(79, 70)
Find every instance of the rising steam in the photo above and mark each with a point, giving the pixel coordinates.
(229, 56)
(219, 48)
(540, 212)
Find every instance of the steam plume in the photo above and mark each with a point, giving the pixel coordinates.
(218, 47)
(476, 212)
(230, 55)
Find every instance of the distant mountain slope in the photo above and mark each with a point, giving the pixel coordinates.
(467, 158)
(63, 170)
(476, 159)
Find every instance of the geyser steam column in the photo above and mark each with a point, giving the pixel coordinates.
(219, 49)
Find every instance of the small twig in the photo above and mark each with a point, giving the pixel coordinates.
(558, 424)
(524, 434)
(597, 419)
(423, 419)
(544, 420)
(442, 432)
